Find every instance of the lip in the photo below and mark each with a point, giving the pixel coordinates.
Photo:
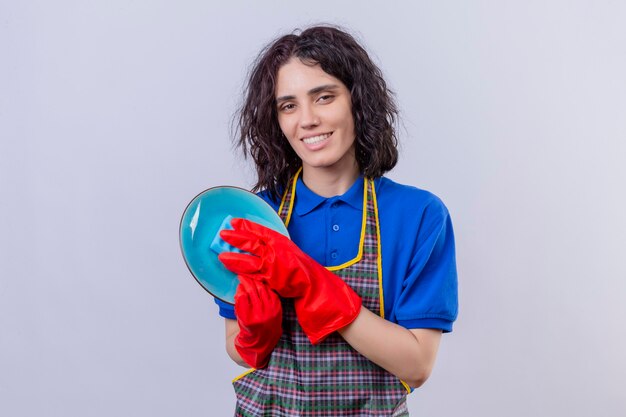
(315, 134)
(317, 145)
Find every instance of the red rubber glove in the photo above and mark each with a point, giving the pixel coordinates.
(260, 317)
(324, 303)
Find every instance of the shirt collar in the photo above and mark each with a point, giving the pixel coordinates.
(307, 200)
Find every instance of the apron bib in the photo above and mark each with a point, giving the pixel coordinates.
(329, 379)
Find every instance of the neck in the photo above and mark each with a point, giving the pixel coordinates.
(329, 182)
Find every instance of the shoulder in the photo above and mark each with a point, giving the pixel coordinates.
(408, 200)
(265, 196)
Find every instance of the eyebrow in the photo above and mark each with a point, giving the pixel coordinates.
(311, 92)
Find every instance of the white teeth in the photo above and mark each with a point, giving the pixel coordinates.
(315, 139)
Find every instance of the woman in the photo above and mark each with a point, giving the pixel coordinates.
(345, 318)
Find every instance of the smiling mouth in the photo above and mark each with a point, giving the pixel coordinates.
(316, 139)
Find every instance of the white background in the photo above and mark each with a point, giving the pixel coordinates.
(114, 114)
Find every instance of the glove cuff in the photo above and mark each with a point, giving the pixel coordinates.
(320, 318)
(251, 356)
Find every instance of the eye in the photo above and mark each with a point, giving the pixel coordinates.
(325, 98)
(287, 107)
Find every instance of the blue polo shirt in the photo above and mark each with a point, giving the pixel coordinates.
(418, 257)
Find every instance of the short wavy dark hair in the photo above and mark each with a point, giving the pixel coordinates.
(340, 55)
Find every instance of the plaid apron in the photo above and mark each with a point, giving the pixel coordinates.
(329, 379)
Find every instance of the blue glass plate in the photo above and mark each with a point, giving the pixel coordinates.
(207, 214)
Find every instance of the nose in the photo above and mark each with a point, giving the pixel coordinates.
(308, 117)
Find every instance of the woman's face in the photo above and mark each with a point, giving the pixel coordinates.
(315, 114)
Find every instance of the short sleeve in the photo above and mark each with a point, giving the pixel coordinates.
(226, 310)
(429, 296)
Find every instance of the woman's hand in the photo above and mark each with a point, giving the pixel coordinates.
(323, 302)
(259, 316)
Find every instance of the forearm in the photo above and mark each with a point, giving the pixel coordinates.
(408, 354)
(232, 330)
